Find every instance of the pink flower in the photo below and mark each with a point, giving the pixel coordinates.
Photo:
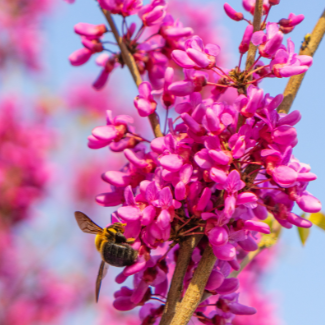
(196, 55)
(270, 42)
(90, 30)
(154, 13)
(144, 103)
(287, 63)
(244, 45)
(122, 7)
(80, 57)
(233, 14)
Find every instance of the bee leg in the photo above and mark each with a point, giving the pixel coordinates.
(120, 238)
(130, 240)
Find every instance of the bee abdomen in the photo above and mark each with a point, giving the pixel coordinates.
(119, 254)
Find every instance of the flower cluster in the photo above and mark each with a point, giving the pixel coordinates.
(23, 168)
(21, 40)
(221, 168)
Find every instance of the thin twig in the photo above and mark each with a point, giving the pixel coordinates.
(192, 297)
(258, 12)
(294, 82)
(128, 59)
(176, 287)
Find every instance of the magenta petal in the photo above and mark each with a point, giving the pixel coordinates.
(219, 157)
(257, 226)
(134, 268)
(80, 57)
(128, 196)
(94, 143)
(226, 252)
(163, 220)
(219, 176)
(180, 191)
(182, 59)
(123, 303)
(183, 107)
(204, 199)
(260, 212)
(258, 38)
(144, 107)
(309, 203)
(239, 309)
(306, 177)
(105, 133)
(129, 213)
(148, 215)
(215, 280)
(212, 49)
(228, 286)
(101, 80)
(246, 197)
(165, 198)
(248, 244)
(181, 88)
(172, 162)
(132, 157)
(290, 119)
(203, 159)
(218, 236)
(117, 179)
(285, 134)
(177, 32)
(213, 122)
(284, 176)
(198, 57)
(289, 71)
(298, 221)
(110, 199)
(139, 292)
(158, 145)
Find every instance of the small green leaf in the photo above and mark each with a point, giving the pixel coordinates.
(318, 219)
(303, 234)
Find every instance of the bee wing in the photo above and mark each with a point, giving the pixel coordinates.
(86, 224)
(101, 274)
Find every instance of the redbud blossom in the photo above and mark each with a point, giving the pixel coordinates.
(232, 13)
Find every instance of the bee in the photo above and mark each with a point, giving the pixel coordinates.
(112, 245)
(306, 41)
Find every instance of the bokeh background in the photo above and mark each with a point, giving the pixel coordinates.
(50, 245)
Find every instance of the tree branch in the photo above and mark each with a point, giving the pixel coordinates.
(258, 12)
(131, 64)
(176, 287)
(294, 82)
(192, 297)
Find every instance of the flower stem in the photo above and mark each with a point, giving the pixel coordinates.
(131, 64)
(192, 297)
(176, 287)
(294, 82)
(257, 26)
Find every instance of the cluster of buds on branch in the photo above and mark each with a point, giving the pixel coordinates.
(218, 170)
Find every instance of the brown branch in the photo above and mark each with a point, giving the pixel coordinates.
(192, 297)
(128, 59)
(258, 12)
(176, 287)
(294, 82)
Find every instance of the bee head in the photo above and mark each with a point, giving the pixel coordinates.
(118, 226)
